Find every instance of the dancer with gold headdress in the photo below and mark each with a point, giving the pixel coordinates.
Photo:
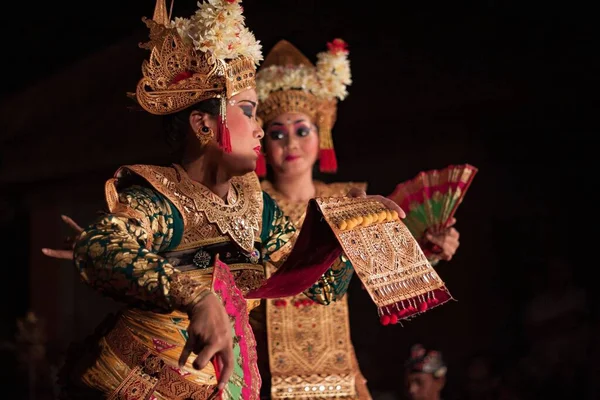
(308, 346)
(328, 349)
(182, 245)
(159, 246)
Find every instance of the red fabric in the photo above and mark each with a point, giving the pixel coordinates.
(327, 160)
(223, 285)
(261, 166)
(315, 251)
(181, 76)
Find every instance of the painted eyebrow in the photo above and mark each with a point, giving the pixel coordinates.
(295, 122)
(248, 101)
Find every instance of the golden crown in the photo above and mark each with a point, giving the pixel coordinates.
(288, 82)
(195, 59)
(289, 101)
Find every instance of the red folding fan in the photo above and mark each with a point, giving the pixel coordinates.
(431, 198)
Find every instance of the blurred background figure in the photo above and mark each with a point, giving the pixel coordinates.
(425, 374)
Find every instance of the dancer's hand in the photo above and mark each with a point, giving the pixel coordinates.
(445, 239)
(391, 204)
(66, 252)
(209, 335)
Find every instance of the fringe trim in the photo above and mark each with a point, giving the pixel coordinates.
(411, 307)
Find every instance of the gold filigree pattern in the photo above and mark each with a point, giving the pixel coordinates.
(176, 75)
(247, 279)
(285, 101)
(296, 210)
(137, 358)
(115, 257)
(314, 387)
(187, 291)
(169, 56)
(124, 210)
(310, 350)
(204, 212)
(385, 256)
(151, 364)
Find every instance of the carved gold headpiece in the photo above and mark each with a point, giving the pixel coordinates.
(288, 82)
(195, 59)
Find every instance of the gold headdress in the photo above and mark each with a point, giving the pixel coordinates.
(288, 82)
(209, 55)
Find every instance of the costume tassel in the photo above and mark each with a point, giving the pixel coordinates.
(327, 160)
(261, 166)
(405, 309)
(223, 136)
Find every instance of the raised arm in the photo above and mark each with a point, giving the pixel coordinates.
(117, 254)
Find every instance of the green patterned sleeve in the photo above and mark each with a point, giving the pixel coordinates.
(117, 254)
(278, 232)
(278, 236)
(334, 283)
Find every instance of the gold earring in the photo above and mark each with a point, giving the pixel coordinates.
(205, 135)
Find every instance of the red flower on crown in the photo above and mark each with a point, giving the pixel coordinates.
(337, 46)
(181, 76)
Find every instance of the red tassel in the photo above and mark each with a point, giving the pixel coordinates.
(385, 320)
(223, 136)
(261, 166)
(393, 319)
(433, 301)
(327, 161)
(279, 303)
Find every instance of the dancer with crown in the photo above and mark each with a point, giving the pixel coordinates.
(183, 245)
(307, 345)
(186, 246)
(170, 233)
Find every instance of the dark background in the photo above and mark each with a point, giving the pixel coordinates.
(505, 86)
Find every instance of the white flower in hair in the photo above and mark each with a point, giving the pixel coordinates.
(183, 28)
(333, 70)
(327, 80)
(218, 27)
(280, 77)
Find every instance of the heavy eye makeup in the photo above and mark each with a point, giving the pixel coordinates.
(248, 108)
(278, 132)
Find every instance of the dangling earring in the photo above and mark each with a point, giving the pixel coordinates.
(205, 135)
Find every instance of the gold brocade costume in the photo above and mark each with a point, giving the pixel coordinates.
(310, 353)
(155, 250)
